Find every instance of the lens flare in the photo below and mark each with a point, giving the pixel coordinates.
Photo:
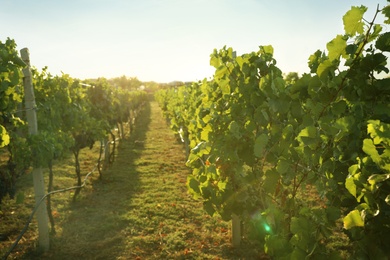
(260, 222)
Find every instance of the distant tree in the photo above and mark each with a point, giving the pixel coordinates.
(151, 85)
(129, 83)
(291, 77)
(176, 83)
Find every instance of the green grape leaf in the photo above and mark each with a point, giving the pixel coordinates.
(298, 253)
(260, 144)
(282, 166)
(193, 184)
(224, 85)
(270, 182)
(370, 149)
(314, 61)
(234, 128)
(222, 185)
(344, 124)
(375, 178)
(351, 49)
(211, 171)
(387, 200)
(299, 225)
(205, 132)
(200, 149)
(240, 60)
(208, 207)
(15, 77)
(18, 61)
(383, 42)
(268, 49)
(336, 47)
(5, 138)
(386, 13)
(353, 219)
(206, 118)
(353, 20)
(350, 185)
(309, 131)
(333, 213)
(375, 33)
(214, 60)
(324, 67)
(339, 107)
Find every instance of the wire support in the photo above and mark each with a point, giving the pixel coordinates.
(24, 230)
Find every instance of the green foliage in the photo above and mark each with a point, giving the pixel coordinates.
(12, 144)
(66, 109)
(126, 83)
(260, 143)
(353, 21)
(10, 76)
(4, 136)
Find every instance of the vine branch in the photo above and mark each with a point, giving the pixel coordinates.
(363, 44)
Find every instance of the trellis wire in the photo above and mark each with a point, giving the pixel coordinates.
(24, 230)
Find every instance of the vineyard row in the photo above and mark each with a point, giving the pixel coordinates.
(295, 158)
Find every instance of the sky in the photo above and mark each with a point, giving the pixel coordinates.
(168, 40)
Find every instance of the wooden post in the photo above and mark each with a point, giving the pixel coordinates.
(236, 222)
(39, 183)
(107, 152)
(121, 130)
(186, 145)
(236, 230)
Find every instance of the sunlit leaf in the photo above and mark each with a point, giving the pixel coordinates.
(353, 20)
(345, 123)
(387, 200)
(351, 186)
(214, 60)
(224, 85)
(336, 47)
(376, 178)
(268, 49)
(370, 149)
(324, 67)
(353, 219)
(222, 185)
(205, 132)
(308, 132)
(5, 138)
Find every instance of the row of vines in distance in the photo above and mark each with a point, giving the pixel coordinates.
(72, 114)
(260, 143)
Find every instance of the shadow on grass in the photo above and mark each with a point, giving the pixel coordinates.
(93, 226)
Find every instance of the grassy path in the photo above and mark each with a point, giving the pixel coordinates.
(141, 209)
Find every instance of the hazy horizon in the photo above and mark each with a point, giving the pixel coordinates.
(168, 40)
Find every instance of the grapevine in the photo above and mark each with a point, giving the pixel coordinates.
(259, 143)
